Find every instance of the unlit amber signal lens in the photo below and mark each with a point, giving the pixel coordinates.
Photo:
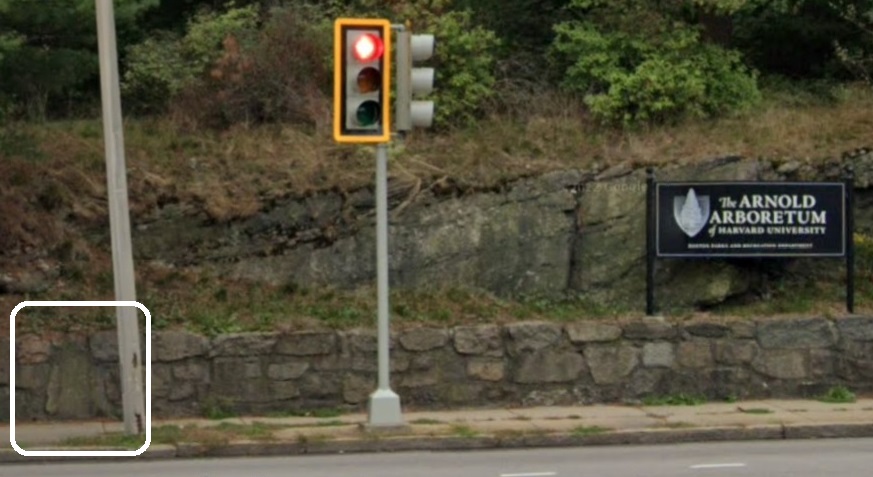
(369, 80)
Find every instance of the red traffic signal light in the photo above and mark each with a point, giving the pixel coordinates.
(368, 48)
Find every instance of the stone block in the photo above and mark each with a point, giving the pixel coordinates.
(642, 382)
(283, 390)
(330, 362)
(4, 362)
(694, 354)
(307, 343)
(486, 369)
(533, 336)
(177, 345)
(460, 393)
(550, 366)
(707, 329)
(70, 386)
(417, 379)
(32, 349)
(782, 364)
(659, 355)
(321, 385)
(592, 332)
(736, 351)
(231, 373)
(482, 340)
(743, 329)
(822, 363)
(611, 363)
(32, 376)
(357, 387)
(287, 370)
(364, 340)
(191, 371)
(162, 380)
(423, 339)
(369, 362)
(182, 391)
(649, 329)
(243, 344)
(796, 333)
(856, 328)
(104, 345)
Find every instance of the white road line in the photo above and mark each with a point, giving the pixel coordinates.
(530, 474)
(717, 466)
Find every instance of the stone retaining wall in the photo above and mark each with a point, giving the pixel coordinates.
(528, 363)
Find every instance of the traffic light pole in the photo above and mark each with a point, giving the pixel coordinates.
(384, 403)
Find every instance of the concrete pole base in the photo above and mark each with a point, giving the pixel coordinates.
(385, 409)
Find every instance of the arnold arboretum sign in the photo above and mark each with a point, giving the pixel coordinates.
(749, 220)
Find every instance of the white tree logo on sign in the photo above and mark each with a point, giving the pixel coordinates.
(691, 212)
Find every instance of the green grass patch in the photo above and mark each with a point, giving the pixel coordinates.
(582, 431)
(426, 421)
(838, 395)
(218, 435)
(322, 413)
(462, 430)
(107, 441)
(681, 399)
(255, 431)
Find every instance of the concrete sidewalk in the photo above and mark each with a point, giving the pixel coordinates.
(461, 429)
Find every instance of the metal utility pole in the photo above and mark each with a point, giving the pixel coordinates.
(127, 320)
(384, 403)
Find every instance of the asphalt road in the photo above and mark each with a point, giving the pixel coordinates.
(802, 458)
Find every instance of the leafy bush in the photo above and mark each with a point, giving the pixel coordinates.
(283, 72)
(165, 64)
(636, 65)
(464, 58)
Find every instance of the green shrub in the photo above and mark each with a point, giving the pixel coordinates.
(838, 395)
(635, 65)
(166, 64)
(464, 58)
(282, 73)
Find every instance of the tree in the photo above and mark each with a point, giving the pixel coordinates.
(857, 57)
(49, 50)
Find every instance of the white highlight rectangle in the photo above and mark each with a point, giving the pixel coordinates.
(148, 382)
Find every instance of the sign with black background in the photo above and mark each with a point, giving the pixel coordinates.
(750, 219)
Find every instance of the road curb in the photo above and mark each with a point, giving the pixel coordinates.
(382, 444)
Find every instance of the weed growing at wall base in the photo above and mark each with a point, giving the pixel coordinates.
(838, 395)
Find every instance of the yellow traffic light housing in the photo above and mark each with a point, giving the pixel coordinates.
(362, 81)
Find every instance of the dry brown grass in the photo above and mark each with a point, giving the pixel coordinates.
(233, 173)
(53, 185)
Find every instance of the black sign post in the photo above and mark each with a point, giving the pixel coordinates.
(849, 181)
(749, 219)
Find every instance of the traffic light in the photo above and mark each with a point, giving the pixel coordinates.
(414, 81)
(362, 80)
